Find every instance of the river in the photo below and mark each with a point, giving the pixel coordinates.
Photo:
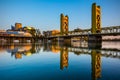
(60, 61)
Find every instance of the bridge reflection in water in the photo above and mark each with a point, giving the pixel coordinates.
(95, 50)
(27, 49)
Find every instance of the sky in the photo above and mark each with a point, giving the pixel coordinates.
(45, 14)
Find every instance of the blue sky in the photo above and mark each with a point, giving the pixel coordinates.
(45, 14)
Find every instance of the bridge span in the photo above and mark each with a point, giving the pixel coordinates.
(106, 31)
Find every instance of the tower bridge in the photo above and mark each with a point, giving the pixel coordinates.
(106, 31)
(94, 34)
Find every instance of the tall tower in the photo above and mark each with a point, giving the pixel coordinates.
(63, 24)
(96, 19)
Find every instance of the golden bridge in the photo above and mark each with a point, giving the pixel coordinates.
(94, 34)
(105, 31)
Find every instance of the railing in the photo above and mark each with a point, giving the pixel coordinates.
(113, 29)
(104, 31)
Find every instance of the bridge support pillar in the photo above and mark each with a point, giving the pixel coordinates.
(67, 41)
(94, 41)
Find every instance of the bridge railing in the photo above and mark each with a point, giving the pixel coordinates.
(113, 29)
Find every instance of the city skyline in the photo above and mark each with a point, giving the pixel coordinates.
(45, 14)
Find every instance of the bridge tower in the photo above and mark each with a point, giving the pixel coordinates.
(96, 19)
(96, 24)
(96, 64)
(64, 24)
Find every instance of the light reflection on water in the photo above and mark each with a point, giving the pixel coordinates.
(53, 61)
(110, 44)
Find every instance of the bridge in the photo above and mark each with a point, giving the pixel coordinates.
(112, 30)
(106, 31)
(94, 34)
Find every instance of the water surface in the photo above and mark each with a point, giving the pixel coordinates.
(57, 61)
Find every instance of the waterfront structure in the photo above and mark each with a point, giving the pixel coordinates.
(96, 24)
(18, 26)
(18, 33)
(64, 25)
(55, 32)
(94, 34)
(2, 31)
(96, 19)
(51, 33)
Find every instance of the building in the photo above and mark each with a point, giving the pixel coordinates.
(18, 26)
(51, 33)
